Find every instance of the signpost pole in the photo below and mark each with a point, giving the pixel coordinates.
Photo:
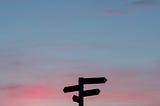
(81, 87)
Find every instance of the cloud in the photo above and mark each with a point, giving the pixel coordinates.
(130, 9)
(32, 94)
(10, 87)
(131, 85)
(28, 91)
(145, 3)
(117, 12)
(128, 86)
(63, 45)
(124, 84)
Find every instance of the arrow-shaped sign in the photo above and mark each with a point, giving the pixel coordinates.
(91, 92)
(97, 80)
(71, 88)
(76, 98)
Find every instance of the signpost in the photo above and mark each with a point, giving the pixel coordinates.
(71, 88)
(80, 88)
(91, 92)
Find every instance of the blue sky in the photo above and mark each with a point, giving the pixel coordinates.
(70, 38)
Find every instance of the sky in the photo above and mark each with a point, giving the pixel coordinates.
(46, 45)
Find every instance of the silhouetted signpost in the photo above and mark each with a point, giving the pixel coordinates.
(80, 88)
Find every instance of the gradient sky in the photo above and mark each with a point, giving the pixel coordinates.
(47, 44)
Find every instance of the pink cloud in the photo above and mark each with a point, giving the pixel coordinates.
(10, 87)
(28, 91)
(123, 85)
(126, 84)
(32, 92)
(131, 86)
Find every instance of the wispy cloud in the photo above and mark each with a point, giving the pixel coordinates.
(131, 85)
(28, 91)
(117, 12)
(91, 45)
(129, 8)
(124, 85)
(10, 87)
(145, 2)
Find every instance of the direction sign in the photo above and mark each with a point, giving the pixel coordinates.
(80, 88)
(97, 80)
(76, 98)
(91, 92)
(71, 88)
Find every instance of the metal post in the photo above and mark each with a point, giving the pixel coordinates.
(80, 83)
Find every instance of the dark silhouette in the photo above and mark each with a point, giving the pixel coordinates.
(80, 88)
